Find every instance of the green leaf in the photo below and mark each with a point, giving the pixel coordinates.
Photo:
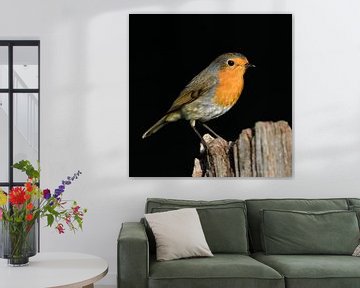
(28, 168)
(79, 221)
(52, 211)
(21, 165)
(50, 219)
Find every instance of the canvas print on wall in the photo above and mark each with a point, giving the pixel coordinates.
(210, 95)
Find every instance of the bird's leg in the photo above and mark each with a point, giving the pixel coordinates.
(192, 124)
(212, 131)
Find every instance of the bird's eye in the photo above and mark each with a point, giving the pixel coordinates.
(230, 62)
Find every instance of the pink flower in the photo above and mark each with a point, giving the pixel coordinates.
(60, 228)
(68, 219)
(1, 212)
(76, 210)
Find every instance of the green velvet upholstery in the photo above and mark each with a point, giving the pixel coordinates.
(353, 201)
(222, 270)
(315, 271)
(254, 216)
(223, 221)
(354, 205)
(152, 203)
(133, 256)
(295, 232)
(356, 209)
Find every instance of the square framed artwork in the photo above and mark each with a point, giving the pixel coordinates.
(186, 70)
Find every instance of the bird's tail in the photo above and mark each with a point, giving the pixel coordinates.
(153, 129)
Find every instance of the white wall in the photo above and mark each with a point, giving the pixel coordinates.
(84, 108)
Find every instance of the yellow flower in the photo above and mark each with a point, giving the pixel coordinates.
(3, 198)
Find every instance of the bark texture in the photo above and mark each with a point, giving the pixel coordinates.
(263, 151)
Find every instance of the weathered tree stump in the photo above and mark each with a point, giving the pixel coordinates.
(264, 151)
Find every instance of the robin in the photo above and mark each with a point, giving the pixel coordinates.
(209, 95)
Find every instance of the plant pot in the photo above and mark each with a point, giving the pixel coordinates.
(17, 242)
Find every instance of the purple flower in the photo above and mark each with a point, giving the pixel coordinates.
(46, 194)
(68, 181)
(58, 192)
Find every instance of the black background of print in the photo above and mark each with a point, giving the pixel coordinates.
(166, 51)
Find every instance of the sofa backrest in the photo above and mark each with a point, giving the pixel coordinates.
(256, 205)
(223, 221)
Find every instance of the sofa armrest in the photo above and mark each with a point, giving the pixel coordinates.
(133, 256)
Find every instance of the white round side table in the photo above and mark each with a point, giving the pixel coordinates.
(50, 270)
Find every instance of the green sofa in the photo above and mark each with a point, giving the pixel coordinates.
(237, 233)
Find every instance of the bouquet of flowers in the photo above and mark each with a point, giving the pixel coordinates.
(22, 206)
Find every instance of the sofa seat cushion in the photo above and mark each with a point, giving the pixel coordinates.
(222, 270)
(313, 271)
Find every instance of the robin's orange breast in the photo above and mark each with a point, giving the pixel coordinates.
(231, 84)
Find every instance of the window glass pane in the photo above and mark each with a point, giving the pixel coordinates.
(4, 137)
(26, 131)
(25, 67)
(4, 67)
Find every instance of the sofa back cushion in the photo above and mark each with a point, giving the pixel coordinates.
(255, 206)
(223, 221)
(353, 202)
(298, 232)
(356, 209)
(354, 205)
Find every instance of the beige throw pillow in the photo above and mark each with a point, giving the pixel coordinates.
(357, 251)
(178, 234)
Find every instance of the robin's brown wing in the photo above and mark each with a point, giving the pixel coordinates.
(198, 86)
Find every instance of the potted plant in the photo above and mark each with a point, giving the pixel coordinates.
(21, 208)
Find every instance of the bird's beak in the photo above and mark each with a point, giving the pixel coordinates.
(247, 65)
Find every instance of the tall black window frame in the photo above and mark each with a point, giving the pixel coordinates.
(11, 91)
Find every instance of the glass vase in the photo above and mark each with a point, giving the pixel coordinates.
(18, 242)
